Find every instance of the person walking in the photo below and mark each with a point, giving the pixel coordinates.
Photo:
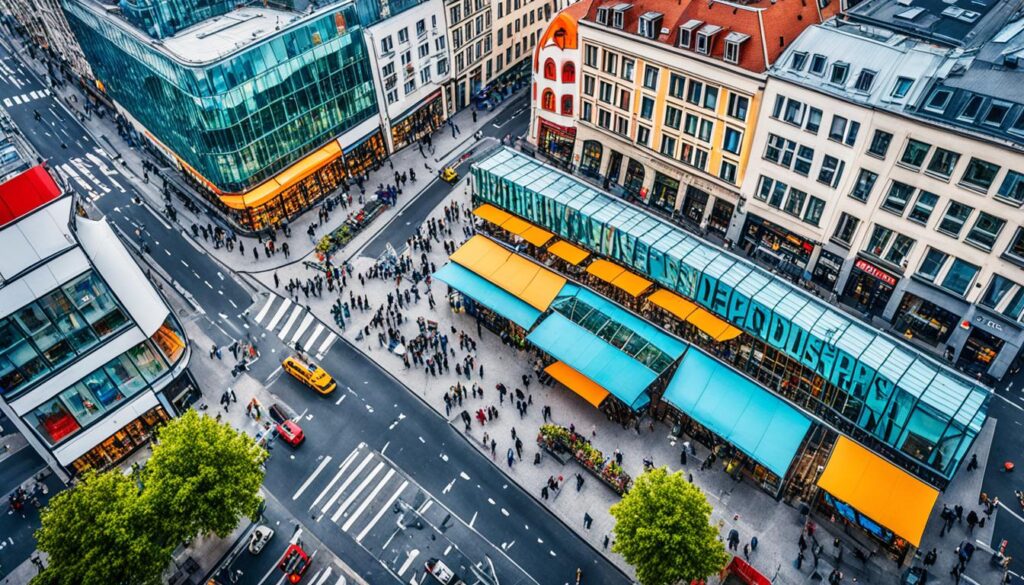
(579, 482)
(511, 456)
(544, 492)
(734, 539)
(587, 520)
(973, 463)
(972, 521)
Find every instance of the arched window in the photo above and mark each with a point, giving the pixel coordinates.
(568, 73)
(547, 100)
(549, 69)
(634, 177)
(590, 159)
(566, 105)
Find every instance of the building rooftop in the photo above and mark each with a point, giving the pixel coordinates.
(959, 23)
(761, 29)
(25, 193)
(883, 69)
(221, 35)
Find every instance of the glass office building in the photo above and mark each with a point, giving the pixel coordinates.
(249, 103)
(912, 410)
(163, 18)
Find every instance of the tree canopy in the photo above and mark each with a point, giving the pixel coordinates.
(112, 527)
(663, 529)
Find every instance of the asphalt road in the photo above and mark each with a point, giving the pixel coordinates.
(488, 524)
(513, 120)
(1007, 407)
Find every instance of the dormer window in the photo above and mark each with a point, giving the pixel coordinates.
(902, 87)
(602, 15)
(798, 61)
(818, 64)
(706, 38)
(686, 33)
(619, 15)
(733, 42)
(840, 71)
(649, 25)
(865, 79)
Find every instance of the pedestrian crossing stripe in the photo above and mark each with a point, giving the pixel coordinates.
(295, 324)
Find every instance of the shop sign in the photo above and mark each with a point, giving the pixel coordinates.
(875, 271)
(985, 322)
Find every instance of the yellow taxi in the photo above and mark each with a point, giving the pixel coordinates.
(449, 175)
(310, 374)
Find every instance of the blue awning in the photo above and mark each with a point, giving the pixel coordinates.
(757, 422)
(595, 358)
(488, 295)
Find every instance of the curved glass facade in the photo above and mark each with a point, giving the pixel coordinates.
(242, 117)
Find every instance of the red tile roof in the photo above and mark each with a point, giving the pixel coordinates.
(770, 24)
(25, 193)
(565, 21)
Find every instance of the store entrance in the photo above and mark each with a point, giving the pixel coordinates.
(979, 352)
(867, 293)
(923, 320)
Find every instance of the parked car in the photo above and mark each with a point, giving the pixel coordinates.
(259, 538)
(441, 573)
(309, 374)
(290, 432)
(280, 412)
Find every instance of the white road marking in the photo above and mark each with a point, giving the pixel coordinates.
(280, 313)
(327, 343)
(316, 333)
(7, 102)
(341, 471)
(265, 309)
(408, 561)
(306, 321)
(342, 399)
(346, 483)
(312, 476)
(472, 520)
(387, 506)
(369, 499)
(355, 494)
(291, 321)
(17, 98)
(323, 578)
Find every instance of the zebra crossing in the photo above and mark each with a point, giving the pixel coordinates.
(294, 324)
(373, 502)
(92, 175)
(18, 100)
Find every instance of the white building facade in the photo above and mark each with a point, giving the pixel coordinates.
(92, 360)
(411, 63)
(919, 173)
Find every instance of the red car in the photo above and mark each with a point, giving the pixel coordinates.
(290, 432)
(295, 563)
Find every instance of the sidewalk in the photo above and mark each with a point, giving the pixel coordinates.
(742, 506)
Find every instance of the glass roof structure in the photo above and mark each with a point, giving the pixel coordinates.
(883, 379)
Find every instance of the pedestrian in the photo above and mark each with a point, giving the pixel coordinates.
(734, 539)
(579, 482)
(799, 560)
(973, 463)
(605, 543)
(930, 557)
(511, 456)
(746, 552)
(972, 521)
(544, 492)
(519, 449)
(682, 457)
(753, 543)
(277, 281)
(587, 520)
(959, 513)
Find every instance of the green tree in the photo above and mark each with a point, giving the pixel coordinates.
(113, 528)
(203, 477)
(663, 529)
(95, 534)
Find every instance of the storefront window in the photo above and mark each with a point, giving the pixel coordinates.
(82, 403)
(721, 215)
(91, 297)
(53, 422)
(126, 440)
(366, 156)
(979, 351)
(921, 319)
(694, 203)
(590, 159)
(148, 362)
(99, 385)
(634, 180)
(124, 373)
(664, 191)
(170, 340)
(424, 120)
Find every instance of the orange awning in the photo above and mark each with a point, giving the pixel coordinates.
(491, 214)
(287, 178)
(526, 280)
(537, 236)
(515, 225)
(672, 303)
(631, 283)
(731, 332)
(878, 489)
(605, 270)
(578, 383)
(568, 252)
(708, 323)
